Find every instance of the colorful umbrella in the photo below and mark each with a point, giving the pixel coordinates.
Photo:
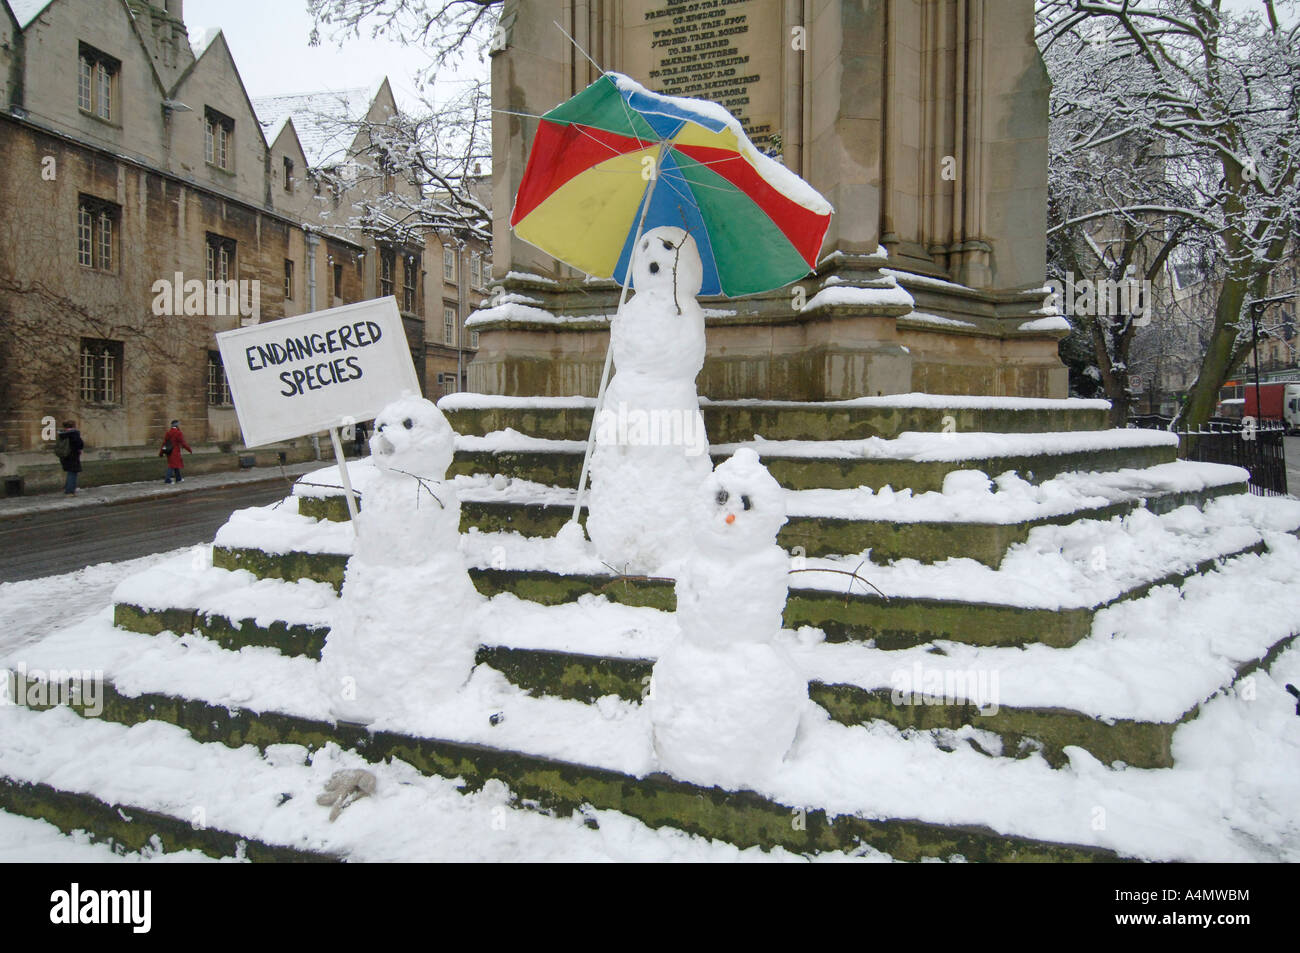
(616, 151)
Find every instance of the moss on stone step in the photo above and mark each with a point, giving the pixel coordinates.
(743, 818)
(322, 567)
(905, 622)
(287, 638)
(552, 589)
(134, 829)
(586, 678)
(1022, 730)
(792, 420)
(567, 674)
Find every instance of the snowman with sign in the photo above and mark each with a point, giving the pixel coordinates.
(404, 635)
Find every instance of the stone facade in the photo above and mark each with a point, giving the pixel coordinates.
(161, 168)
(923, 121)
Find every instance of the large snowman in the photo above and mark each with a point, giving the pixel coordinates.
(725, 700)
(651, 449)
(404, 634)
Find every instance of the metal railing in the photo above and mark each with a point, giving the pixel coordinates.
(1258, 448)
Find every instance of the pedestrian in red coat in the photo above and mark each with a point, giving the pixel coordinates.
(173, 440)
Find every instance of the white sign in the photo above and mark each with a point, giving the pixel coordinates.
(297, 376)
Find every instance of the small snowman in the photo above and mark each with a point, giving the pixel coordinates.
(726, 700)
(651, 449)
(404, 634)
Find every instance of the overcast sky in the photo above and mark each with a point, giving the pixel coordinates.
(269, 41)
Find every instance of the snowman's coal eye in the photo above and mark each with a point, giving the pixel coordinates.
(408, 423)
(654, 267)
(744, 501)
(723, 496)
(381, 427)
(668, 246)
(645, 245)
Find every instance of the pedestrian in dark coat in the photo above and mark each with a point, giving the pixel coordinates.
(68, 447)
(173, 441)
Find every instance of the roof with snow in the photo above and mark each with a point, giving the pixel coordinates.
(325, 121)
(200, 45)
(25, 11)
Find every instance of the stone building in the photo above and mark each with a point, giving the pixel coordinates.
(924, 122)
(132, 163)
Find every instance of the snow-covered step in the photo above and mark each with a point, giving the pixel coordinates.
(972, 518)
(903, 792)
(233, 608)
(561, 755)
(153, 790)
(1120, 693)
(569, 418)
(127, 826)
(1046, 589)
(916, 461)
(33, 840)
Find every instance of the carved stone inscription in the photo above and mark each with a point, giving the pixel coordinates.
(728, 51)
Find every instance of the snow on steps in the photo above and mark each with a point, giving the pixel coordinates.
(900, 792)
(911, 460)
(927, 526)
(152, 788)
(916, 461)
(1060, 697)
(569, 418)
(1046, 591)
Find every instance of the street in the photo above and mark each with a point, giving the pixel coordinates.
(62, 541)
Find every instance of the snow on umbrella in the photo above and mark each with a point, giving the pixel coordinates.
(617, 159)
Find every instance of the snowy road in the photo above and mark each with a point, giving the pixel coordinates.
(62, 541)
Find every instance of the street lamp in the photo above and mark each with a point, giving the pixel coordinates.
(1256, 309)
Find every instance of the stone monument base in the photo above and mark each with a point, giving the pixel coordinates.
(856, 328)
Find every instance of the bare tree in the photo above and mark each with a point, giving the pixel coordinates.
(448, 29)
(1220, 92)
(423, 169)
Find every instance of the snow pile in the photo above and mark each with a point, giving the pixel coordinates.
(725, 700)
(643, 476)
(404, 632)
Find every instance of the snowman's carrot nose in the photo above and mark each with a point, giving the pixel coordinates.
(731, 518)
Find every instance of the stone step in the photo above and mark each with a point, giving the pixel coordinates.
(889, 622)
(586, 678)
(742, 818)
(129, 827)
(562, 466)
(1023, 731)
(908, 533)
(733, 421)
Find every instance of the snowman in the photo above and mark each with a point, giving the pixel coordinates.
(404, 635)
(651, 449)
(725, 700)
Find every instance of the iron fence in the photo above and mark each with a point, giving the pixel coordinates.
(1258, 448)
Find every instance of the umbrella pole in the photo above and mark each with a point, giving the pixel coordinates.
(609, 351)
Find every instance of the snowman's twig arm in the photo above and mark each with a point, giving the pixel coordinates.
(423, 482)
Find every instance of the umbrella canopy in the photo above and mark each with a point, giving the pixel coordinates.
(757, 225)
